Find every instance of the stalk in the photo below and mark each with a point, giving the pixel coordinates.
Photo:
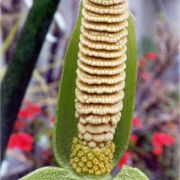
(21, 66)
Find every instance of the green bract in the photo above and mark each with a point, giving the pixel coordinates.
(129, 173)
(51, 173)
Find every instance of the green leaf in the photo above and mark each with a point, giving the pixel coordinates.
(66, 124)
(123, 130)
(129, 173)
(51, 173)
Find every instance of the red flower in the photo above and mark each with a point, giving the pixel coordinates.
(19, 124)
(52, 120)
(151, 56)
(123, 160)
(22, 141)
(159, 140)
(157, 150)
(158, 82)
(145, 76)
(134, 138)
(29, 112)
(136, 122)
(142, 62)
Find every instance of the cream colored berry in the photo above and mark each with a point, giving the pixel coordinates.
(92, 144)
(99, 119)
(102, 45)
(99, 9)
(84, 97)
(81, 128)
(99, 36)
(102, 70)
(98, 109)
(115, 27)
(102, 53)
(100, 89)
(87, 137)
(107, 2)
(108, 18)
(95, 79)
(101, 62)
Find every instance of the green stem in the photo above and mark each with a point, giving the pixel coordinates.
(21, 66)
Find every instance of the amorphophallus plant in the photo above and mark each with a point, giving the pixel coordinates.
(96, 96)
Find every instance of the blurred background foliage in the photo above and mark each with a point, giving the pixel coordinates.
(154, 145)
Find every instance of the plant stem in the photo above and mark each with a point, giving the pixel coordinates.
(21, 66)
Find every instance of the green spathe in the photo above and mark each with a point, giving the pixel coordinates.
(123, 129)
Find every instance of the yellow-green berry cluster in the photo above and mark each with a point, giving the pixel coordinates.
(94, 161)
